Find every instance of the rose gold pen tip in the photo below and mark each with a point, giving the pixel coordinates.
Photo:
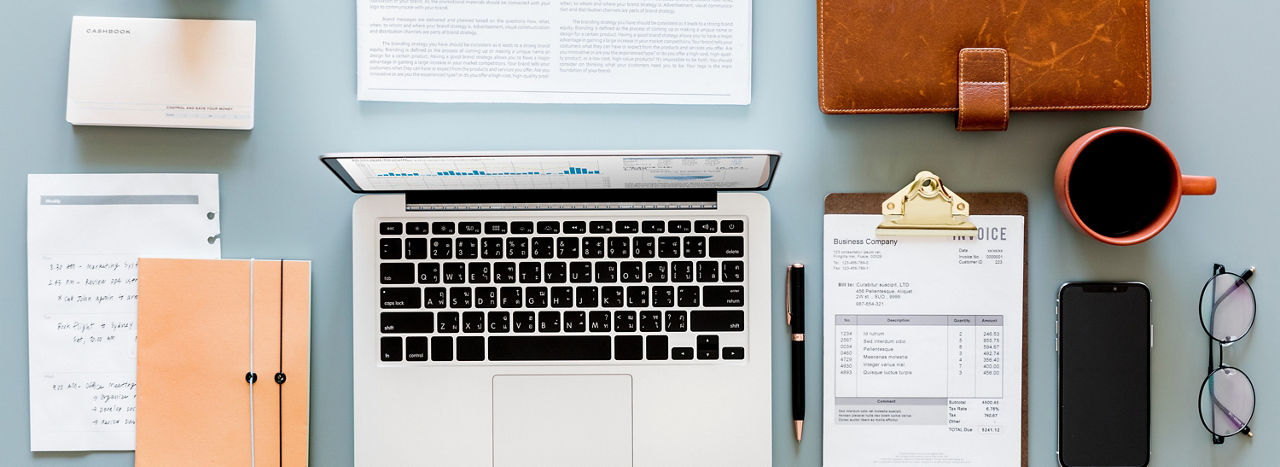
(799, 429)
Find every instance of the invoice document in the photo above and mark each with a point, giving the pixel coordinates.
(554, 51)
(922, 345)
(85, 233)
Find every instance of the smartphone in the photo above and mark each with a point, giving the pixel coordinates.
(1104, 341)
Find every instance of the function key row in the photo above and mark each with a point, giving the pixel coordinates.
(553, 348)
(689, 246)
(556, 227)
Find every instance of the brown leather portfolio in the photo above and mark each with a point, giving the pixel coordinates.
(983, 58)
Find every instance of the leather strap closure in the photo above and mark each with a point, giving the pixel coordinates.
(984, 90)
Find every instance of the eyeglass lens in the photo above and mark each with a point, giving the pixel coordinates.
(1226, 308)
(1226, 401)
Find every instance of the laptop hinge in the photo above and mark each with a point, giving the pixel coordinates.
(545, 200)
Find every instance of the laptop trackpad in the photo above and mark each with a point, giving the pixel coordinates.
(562, 420)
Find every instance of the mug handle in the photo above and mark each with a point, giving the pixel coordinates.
(1199, 185)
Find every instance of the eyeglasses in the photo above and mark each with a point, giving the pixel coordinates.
(1227, 311)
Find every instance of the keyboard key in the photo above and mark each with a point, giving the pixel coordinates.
(708, 271)
(716, 320)
(401, 297)
(687, 296)
(548, 321)
(428, 273)
(593, 247)
(561, 297)
(406, 323)
(650, 321)
(731, 271)
(517, 248)
(499, 321)
(704, 226)
(522, 228)
(504, 273)
(460, 297)
(663, 296)
(682, 271)
(575, 321)
(415, 348)
(726, 247)
(511, 297)
(627, 227)
(677, 321)
(495, 228)
(548, 348)
(695, 247)
(522, 321)
(442, 228)
(469, 228)
(628, 347)
(723, 295)
(579, 272)
(548, 227)
(390, 228)
(652, 227)
(542, 247)
(611, 297)
(555, 272)
(434, 297)
(468, 248)
(655, 271)
(606, 272)
(486, 297)
(575, 227)
(588, 296)
(479, 273)
(679, 227)
(682, 353)
(455, 273)
(473, 322)
(395, 273)
(655, 347)
(391, 350)
(668, 247)
(415, 248)
(708, 347)
(619, 247)
(471, 349)
(441, 349)
(734, 353)
(530, 273)
(567, 247)
(632, 271)
(441, 248)
(419, 228)
(491, 248)
(601, 227)
(731, 226)
(599, 321)
(638, 296)
(643, 247)
(624, 321)
(535, 297)
(389, 248)
(447, 323)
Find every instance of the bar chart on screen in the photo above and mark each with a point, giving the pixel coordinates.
(483, 174)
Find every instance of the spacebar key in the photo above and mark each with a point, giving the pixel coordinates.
(538, 348)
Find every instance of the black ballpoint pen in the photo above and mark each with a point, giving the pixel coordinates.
(795, 319)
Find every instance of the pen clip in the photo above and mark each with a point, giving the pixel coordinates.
(786, 299)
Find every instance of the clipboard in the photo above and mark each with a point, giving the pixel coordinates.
(928, 225)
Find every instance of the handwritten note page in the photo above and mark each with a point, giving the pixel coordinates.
(85, 234)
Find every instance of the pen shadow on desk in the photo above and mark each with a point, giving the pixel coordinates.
(158, 147)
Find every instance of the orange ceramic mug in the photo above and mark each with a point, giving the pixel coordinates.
(1122, 185)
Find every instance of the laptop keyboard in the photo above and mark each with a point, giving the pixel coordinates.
(562, 290)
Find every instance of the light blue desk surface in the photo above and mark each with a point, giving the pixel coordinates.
(1215, 100)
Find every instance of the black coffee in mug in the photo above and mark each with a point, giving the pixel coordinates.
(1121, 183)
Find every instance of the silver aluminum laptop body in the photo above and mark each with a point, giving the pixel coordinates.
(609, 412)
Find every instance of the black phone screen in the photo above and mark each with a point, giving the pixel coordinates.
(1104, 374)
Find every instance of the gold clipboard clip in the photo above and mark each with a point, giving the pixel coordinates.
(925, 208)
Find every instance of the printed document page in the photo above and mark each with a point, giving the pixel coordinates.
(85, 233)
(554, 51)
(922, 345)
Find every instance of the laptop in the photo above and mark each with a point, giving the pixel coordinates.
(561, 308)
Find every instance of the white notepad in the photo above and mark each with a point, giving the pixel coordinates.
(154, 72)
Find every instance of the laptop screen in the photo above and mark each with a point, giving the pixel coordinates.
(401, 172)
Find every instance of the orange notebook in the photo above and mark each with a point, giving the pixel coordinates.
(223, 362)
